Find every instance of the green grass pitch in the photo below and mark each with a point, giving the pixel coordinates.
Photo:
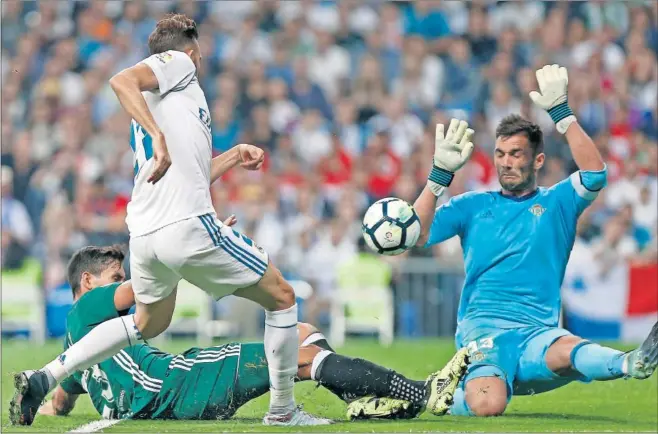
(604, 406)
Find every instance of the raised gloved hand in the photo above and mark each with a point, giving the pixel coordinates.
(451, 152)
(552, 95)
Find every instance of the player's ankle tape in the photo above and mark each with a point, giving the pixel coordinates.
(560, 112)
(441, 176)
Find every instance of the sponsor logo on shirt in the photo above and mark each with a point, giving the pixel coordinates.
(487, 214)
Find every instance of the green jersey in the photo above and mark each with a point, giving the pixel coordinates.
(142, 382)
(119, 387)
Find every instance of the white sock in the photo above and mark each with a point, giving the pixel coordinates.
(317, 360)
(282, 351)
(313, 338)
(104, 341)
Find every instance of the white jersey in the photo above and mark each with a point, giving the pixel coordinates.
(180, 109)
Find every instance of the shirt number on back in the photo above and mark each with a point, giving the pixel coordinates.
(141, 144)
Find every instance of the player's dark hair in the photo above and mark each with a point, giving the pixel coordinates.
(173, 32)
(511, 125)
(94, 260)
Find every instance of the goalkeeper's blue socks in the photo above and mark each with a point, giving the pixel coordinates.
(597, 362)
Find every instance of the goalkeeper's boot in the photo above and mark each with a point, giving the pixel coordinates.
(370, 407)
(31, 390)
(441, 385)
(642, 362)
(295, 417)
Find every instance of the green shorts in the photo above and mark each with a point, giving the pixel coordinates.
(211, 383)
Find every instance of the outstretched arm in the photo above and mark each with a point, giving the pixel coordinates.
(248, 156)
(553, 82)
(425, 207)
(583, 149)
(451, 152)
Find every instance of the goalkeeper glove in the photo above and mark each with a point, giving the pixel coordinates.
(450, 154)
(552, 95)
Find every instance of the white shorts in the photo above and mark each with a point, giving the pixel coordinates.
(201, 250)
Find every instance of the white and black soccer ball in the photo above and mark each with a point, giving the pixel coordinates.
(391, 226)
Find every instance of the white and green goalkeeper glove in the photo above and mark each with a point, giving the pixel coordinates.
(450, 154)
(552, 95)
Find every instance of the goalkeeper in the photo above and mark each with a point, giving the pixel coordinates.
(516, 243)
(141, 382)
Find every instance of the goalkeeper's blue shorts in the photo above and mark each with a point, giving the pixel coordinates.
(518, 356)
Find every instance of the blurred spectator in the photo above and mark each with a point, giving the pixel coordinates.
(404, 128)
(614, 245)
(424, 18)
(312, 138)
(283, 112)
(383, 165)
(226, 128)
(307, 94)
(351, 134)
(462, 78)
(422, 77)
(248, 44)
(17, 231)
(329, 65)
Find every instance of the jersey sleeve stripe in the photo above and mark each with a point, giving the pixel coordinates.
(581, 190)
(580, 178)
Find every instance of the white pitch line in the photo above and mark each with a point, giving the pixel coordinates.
(97, 425)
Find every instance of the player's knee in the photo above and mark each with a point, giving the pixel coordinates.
(486, 396)
(283, 293)
(305, 330)
(558, 355)
(151, 326)
(485, 405)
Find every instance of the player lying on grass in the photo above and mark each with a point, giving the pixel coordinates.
(141, 382)
(516, 245)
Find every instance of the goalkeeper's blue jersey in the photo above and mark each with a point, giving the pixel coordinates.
(515, 250)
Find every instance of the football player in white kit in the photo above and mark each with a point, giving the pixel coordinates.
(174, 232)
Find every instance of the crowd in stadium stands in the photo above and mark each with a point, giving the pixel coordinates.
(343, 95)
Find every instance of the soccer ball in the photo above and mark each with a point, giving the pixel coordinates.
(391, 226)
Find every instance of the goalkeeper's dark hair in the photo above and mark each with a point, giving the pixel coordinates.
(94, 260)
(173, 32)
(513, 125)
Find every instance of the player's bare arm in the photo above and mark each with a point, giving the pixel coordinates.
(553, 81)
(128, 85)
(451, 152)
(248, 156)
(124, 297)
(61, 405)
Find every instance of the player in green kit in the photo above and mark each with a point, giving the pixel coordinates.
(142, 382)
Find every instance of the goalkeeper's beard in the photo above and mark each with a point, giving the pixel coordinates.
(525, 179)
